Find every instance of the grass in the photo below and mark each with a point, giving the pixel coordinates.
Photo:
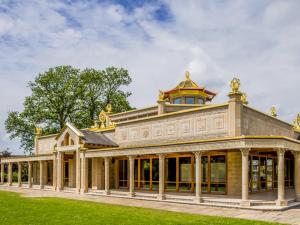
(15, 209)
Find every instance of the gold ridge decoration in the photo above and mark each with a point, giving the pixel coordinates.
(187, 75)
(102, 119)
(38, 131)
(297, 123)
(244, 99)
(273, 111)
(108, 108)
(235, 85)
(161, 96)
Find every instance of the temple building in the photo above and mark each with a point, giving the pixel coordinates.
(184, 148)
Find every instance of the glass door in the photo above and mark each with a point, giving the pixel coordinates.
(123, 173)
(218, 174)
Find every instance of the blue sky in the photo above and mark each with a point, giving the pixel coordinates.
(156, 41)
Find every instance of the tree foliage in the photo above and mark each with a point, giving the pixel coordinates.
(64, 94)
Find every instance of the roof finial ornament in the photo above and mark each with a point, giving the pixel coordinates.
(235, 85)
(161, 95)
(297, 123)
(108, 108)
(273, 111)
(38, 131)
(244, 99)
(187, 75)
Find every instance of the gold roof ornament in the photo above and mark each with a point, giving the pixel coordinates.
(273, 111)
(38, 131)
(108, 108)
(244, 99)
(235, 85)
(297, 123)
(187, 75)
(161, 96)
(102, 119)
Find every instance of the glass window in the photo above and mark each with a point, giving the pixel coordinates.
(177, 101)
(190, 100)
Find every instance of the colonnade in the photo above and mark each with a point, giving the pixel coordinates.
(82, 175)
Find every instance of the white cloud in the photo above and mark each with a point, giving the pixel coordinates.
(215, 40)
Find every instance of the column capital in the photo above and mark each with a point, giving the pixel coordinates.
(131, 157)
(198, 154)
(281, 151)
(295, 153)
(245, 151)
(161, 155)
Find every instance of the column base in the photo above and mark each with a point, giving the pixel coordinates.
(19, 185)
(297, 199)
(245, 203)
(281, 203)
(161, 197)
(41, 187)
(9, 185)
(131, 194)
(198, 200)
(83, 191)
(78, 190)
(107, 192)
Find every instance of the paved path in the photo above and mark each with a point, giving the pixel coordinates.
(291, 216)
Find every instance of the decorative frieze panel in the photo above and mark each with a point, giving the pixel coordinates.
(194, 125)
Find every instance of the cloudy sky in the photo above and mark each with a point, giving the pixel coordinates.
(258, 41)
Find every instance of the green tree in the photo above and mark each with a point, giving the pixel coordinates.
(64, 94)
(102, 88)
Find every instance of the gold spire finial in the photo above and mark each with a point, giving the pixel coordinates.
(38, 131)
(102, 119)
(108, 108)
(244, 99)
(187, 75)
(161, 95)
(273, 111)
(297, 123)
(235, 85)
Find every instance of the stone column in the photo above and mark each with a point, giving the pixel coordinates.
(19, 174)
(131, 176)
(9, 176)
(84, 175)
(245, 177)
(60, 171)
(198, 167)
(78, 171)
(297, 175)
(29, 174)
(54, 178)
(161, 193)
(2, 173)
(106, 165)
(41, 174)
(280, 157)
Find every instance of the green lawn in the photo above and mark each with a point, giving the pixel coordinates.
(15, 210)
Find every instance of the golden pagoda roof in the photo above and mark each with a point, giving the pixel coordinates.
(187, 87)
